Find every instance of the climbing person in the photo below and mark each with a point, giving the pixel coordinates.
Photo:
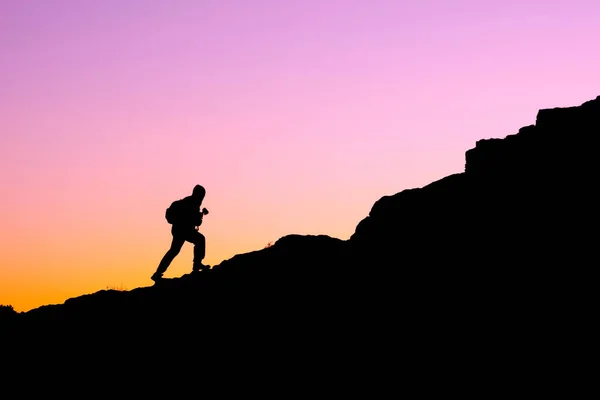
(185, 217)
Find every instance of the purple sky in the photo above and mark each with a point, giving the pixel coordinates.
(295, 115)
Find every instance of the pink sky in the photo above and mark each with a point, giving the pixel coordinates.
(295, 115)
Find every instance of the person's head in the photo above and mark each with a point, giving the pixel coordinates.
(198, 193)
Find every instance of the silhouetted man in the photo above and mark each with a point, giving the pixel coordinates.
(186, 222)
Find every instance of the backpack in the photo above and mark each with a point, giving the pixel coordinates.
(173, 213)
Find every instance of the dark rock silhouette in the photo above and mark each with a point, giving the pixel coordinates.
(477, 264)
(8, 314)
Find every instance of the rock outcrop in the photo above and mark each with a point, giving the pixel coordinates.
(522, 203)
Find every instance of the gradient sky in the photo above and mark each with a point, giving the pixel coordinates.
(295, 115)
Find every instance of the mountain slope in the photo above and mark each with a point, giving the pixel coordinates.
(476, 256)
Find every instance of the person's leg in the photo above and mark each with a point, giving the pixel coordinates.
(175, 248)
(199, 242)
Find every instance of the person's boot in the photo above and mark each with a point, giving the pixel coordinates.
(200, 267)
(156, 277)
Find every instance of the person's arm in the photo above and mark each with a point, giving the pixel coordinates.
(200, 217)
